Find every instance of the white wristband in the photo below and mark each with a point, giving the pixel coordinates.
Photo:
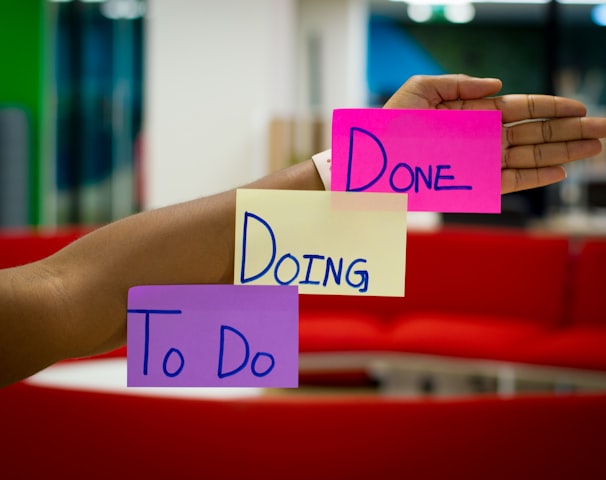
(322, 161)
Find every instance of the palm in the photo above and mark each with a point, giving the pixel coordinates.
(540, 132)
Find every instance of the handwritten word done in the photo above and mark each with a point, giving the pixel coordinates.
(403, 176)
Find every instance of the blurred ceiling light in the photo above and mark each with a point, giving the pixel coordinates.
(598, 15)
(419, 12)
(459, 12)
(454, 11)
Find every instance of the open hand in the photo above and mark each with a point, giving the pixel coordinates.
(540, 132)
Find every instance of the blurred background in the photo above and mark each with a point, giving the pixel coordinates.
(108, 107)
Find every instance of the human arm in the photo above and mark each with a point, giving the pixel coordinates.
(73, 303)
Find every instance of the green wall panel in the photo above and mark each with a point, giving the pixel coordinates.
(22, 77)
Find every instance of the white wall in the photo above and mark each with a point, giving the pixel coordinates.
(337, 31)
(217, 71)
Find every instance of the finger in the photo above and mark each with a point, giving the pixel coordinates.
(514, 180)
(523, 107)
(458, 87)
(428, 91)
(548, 154)
(556, 130)
(516, 108)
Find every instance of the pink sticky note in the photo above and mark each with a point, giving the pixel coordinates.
(212, 336)
(445, 160)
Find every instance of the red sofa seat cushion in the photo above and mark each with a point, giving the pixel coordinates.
(471, 336)
(575, 347)
(341, 331)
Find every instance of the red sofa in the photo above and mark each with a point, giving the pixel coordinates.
(473, 293)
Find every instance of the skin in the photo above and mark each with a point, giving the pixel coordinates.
(73, 303)
(533, 152)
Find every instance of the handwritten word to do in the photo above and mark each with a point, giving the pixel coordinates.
(445, 160)
(212, 336)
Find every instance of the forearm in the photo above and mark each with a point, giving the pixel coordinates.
(79, 295)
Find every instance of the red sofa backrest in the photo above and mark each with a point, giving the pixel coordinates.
(460, 270)
(589, 285)
(508, 272)
(26, 246)
(473, 270)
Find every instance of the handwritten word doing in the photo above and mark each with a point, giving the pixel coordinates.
(174, 361)
(287, 268)
(403, 177)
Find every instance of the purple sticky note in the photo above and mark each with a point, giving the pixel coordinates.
(445, 160)
(213, 336)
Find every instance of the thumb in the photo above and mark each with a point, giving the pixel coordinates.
(424, 91)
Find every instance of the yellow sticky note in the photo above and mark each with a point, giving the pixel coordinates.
(339, 243)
